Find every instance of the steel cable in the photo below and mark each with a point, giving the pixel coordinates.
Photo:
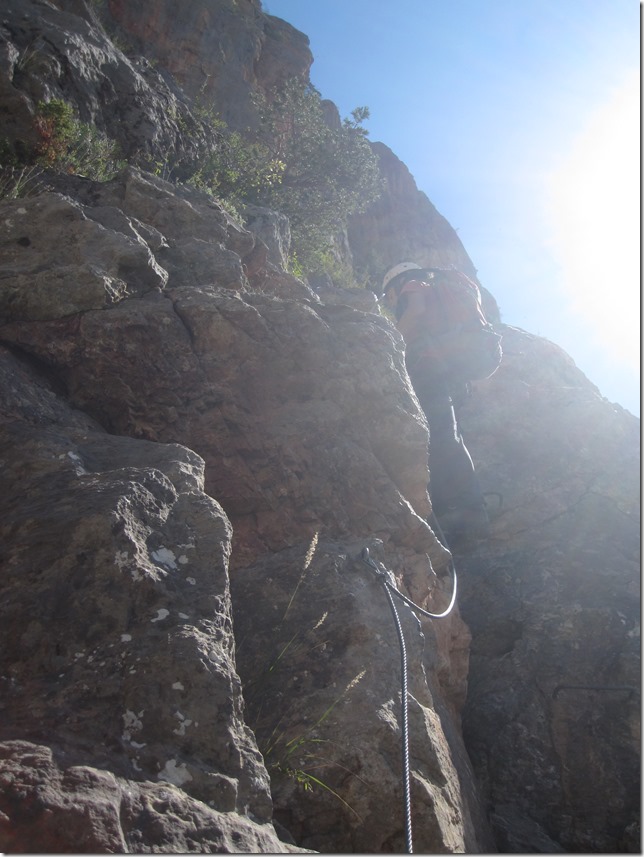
(390, 589)
(405, 718)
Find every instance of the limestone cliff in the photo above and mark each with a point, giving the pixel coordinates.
(197, 446)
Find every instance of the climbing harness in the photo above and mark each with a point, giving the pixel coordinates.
(388, 581)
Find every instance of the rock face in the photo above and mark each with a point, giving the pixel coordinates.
(552, 600)
(321, 676)
(49, 52)
(240, 375)
(196, 448)
(117, 651)
(148, 92)
(293, 404)
(220, 52)
(404, 225)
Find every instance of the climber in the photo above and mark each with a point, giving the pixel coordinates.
(448, 344)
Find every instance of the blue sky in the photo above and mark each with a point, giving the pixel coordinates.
(520, 121)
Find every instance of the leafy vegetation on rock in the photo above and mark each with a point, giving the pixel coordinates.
(301, 160)
(64, 144)
(72, 146)
(330, 171)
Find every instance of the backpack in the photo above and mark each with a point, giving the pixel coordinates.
(455, 342)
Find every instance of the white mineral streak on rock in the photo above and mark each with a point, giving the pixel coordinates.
(164, 556)
(174, 773)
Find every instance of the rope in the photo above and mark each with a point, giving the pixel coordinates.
(385, 577)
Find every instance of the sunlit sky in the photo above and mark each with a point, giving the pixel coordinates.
(520, 120)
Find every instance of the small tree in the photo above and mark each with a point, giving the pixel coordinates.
(329, 170)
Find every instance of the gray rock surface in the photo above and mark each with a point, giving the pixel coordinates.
(219, 53)
(258, 384)
(50, 804)
(182, 419)
(63, 52)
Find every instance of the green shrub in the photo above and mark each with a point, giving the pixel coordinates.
(316, 172)
(236, 169)
(71, 146)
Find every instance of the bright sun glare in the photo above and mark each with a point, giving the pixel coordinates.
(593, 208)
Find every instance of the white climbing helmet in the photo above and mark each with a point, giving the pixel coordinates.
(392, 273)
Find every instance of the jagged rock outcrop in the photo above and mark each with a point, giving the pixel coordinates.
(196, 447)
(146, 85)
